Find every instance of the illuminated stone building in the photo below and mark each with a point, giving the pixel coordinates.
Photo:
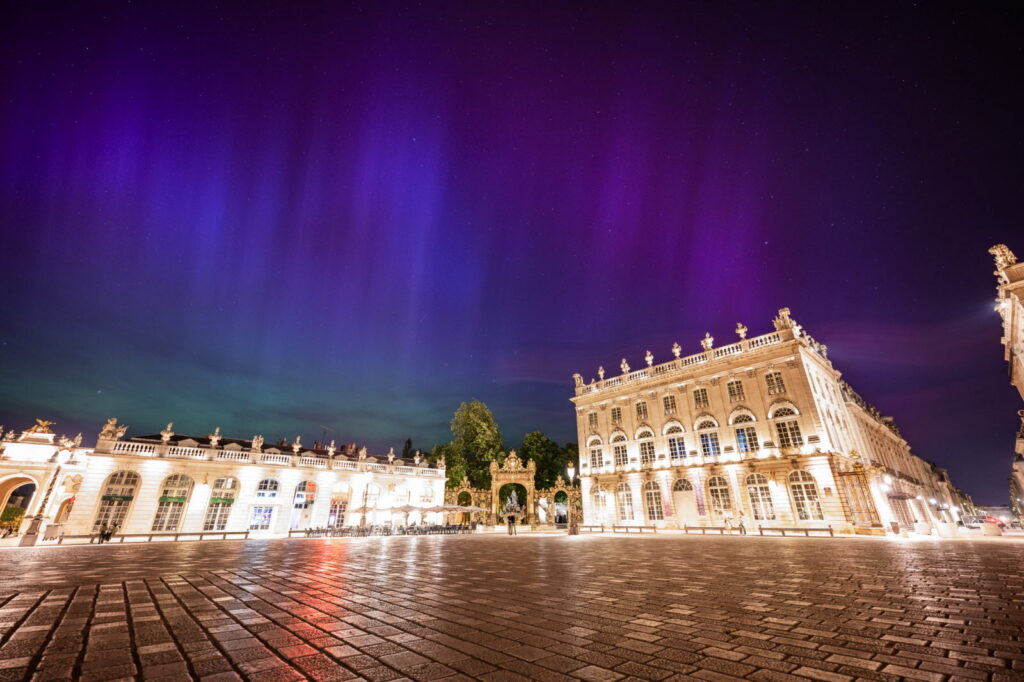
(1010, 306)
(171, 483)
(763, 430)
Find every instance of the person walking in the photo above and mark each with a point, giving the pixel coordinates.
(511, 524)
(742, 525)
(103, 532)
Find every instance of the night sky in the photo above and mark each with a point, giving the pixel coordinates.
(287, 219)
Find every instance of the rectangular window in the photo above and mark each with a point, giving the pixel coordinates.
(773, 380)
(677, 447)
(746, 439)
(616, 415)
(641, 411)
(596, 458)
(700, 398)
(592, 420)
(621, 459)
(709, 444)
(736, 391)
(217, 516)
(789, 434)
(647, 451)
(336, 517)
(260, 518)
(168, 515)
(669, 402)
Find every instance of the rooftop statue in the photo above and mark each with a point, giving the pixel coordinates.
(577, 379)
(391, 455)
(297, 445)
(167, 434)
(1004, 257)
(677, 349)
(42, 426)
(600, 373)
(741, 330)
(257, 443)
(649, 358)
(112, 430)
(708, 342)
(330, 449)
(214, 437)
(624, 366)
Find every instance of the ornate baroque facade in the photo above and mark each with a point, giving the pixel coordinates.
(764, 430)
(169, 483)
(1010, 306)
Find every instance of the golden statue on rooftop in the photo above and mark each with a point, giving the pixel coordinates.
(42, 426)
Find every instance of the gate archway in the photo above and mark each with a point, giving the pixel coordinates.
(513, 471)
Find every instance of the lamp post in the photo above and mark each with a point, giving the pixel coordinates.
(571, 472)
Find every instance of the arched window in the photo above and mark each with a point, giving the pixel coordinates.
(305, 494)
(600, 504)
(773, 381)
(709, 445)
(652, 498)
(646, 437)
(788, 429)
(746, 436)
(117, 497)
(619, 449)
(682, 485)
(596, 453)
(805, 496)
(741, 415)
(221, 498)
(267, 488)
(173, 497)
(760, 497)
(372, 496)
(718, 492)
(783, 412)
(624, 498)
(677, 445)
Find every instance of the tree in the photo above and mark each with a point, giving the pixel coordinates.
(476, 443)
(407, 451)
(546, 455)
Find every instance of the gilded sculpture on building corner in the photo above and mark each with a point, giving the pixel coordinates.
(112, 430)
(42, 426)
(577, 379)
(1004, 257)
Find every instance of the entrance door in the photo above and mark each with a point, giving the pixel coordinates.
(684, 500)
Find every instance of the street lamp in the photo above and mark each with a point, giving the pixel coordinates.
(571, 472)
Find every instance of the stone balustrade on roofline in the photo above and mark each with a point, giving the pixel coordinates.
(135, 449)
(702, 360)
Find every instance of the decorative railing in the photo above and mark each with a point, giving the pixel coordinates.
(405, 470)
(382, 468)
(679, 364)
(187, 453)
(129, 448)
(233, 456)
(313, 462)
(344, 465)
(275, 459)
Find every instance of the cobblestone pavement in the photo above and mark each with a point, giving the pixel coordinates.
(500, 608)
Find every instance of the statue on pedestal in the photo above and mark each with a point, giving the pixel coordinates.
(257, 443)
(330, 450)
(649, 358)
(112, 430)
(42, 426)
(297, 445)
(624, 366)
(214, 437)
(676, 349)
(741, 330)
(600, 372)
(167, 434)
(391, 455)
(708, 342)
